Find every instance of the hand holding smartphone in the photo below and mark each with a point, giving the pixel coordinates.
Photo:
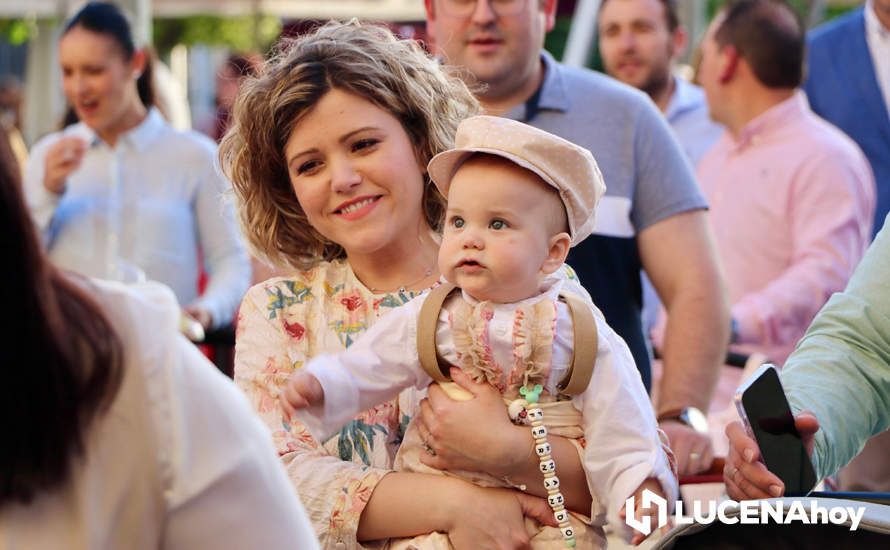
(762, 404)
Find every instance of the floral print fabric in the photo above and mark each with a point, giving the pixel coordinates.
(282, 323)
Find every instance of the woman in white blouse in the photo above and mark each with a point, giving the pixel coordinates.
(122, 195)
(106, 442)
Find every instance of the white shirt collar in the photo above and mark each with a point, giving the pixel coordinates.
(873, 25)
(686, 97)
(139, 137)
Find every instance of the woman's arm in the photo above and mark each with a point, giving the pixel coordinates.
(228, 264)
(333, 491)
(472, 516)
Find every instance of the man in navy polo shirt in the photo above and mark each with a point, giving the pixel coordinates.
(652, 216)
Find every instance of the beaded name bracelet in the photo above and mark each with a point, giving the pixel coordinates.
(524, 411)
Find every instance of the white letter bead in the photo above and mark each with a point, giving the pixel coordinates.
(551, 483)
(539, 431)
(535, 414)
(567, 532)
(556, 500)
(543, 449)
(561, 516)
(547, 466)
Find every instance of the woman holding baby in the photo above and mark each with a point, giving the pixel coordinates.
(328, 156)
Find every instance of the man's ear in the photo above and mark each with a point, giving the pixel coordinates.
(679, 41)
(556, 255)
(549, 9)
(138, 61)
(430, 17)
(729, 63)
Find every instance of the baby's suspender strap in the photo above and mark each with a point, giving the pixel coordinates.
(585, 341)
(427, 321)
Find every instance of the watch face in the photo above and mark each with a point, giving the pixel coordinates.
(696, 419)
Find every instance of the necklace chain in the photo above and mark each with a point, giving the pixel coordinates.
(404, 288)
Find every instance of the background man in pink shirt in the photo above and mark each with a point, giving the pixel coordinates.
(792, 198)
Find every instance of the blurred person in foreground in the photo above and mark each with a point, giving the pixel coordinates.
(640, 42)
(122, 195)
(837, 381)
(652, 216)
(106, 442)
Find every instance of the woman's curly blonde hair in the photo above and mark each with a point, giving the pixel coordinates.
(360, 58)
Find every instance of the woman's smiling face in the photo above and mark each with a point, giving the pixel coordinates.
(356, 174)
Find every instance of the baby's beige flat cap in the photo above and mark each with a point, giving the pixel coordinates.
(570, 169)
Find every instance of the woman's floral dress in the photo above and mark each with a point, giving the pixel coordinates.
(282, 323)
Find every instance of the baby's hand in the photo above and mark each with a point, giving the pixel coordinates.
(644, 515)
(302, 390)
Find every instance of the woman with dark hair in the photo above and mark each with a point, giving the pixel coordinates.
(122, 194)
(105, 442)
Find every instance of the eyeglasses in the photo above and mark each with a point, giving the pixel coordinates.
(465, 8)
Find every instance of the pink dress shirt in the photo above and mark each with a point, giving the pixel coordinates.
(792, 201)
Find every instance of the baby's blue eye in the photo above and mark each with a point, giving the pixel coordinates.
(457, 222)
(497, 224)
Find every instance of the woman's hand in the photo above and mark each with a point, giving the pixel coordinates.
(494, 519)
(745, 474)
(63, 157)
(471, 516)
(474, 435)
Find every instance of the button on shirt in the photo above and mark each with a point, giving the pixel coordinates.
(146, 205)
(877, 36)
(792, 199)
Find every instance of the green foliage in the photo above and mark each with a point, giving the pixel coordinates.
(243, 33)
(555, 41)
(16, 31)
(802, 7)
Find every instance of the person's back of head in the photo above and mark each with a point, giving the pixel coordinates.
(769, 36)
(61, 357)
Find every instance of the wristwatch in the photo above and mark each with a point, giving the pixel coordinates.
(690, 416)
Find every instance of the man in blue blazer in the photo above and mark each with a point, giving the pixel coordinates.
(848, 84)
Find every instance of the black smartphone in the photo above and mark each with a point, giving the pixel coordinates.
(763, 407)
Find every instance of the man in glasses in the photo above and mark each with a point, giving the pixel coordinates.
(652, 215)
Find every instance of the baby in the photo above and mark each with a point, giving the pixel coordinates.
(518, 199)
